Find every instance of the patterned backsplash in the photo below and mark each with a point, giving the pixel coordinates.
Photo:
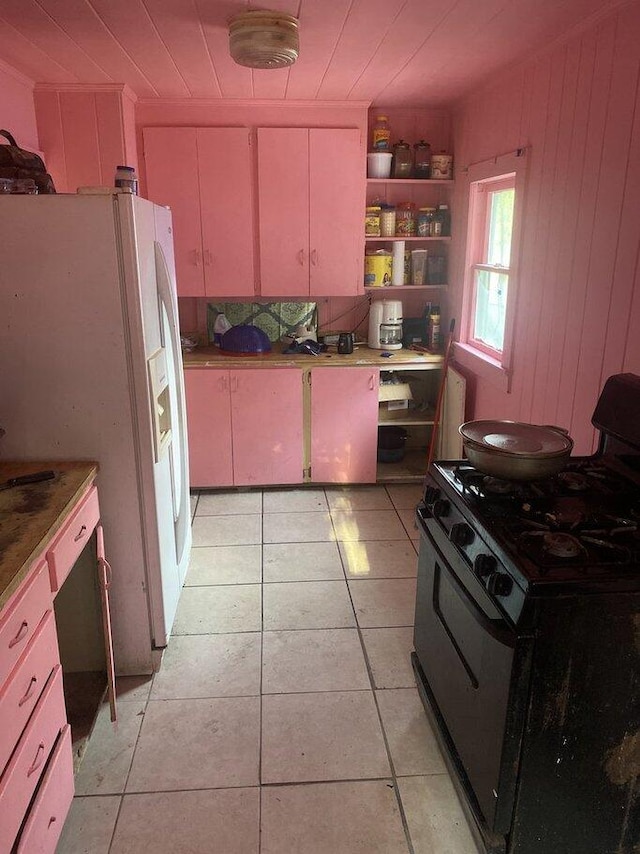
(274, 318)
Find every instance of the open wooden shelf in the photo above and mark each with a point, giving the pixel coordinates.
(411, 469)
(404, 417)
(425, 182)
(370, 239)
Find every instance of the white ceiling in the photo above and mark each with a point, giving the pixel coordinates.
(391, 52)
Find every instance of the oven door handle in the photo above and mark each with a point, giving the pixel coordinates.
(497, 629)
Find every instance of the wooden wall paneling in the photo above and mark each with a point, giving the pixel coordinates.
(81, 145)
(529, 294)
(553, 291)
(584, 242)
(22, 54)
(51, 135)
(234, 80)
(323, 24)
(129, 131)
(18, 108)
(621, 99)
(570, 156)
(111, 149)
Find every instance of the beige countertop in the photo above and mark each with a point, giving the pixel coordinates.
(31, 515)
(210, 357)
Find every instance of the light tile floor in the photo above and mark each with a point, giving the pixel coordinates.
(285, 718)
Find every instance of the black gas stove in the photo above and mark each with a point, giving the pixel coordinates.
(527, 641)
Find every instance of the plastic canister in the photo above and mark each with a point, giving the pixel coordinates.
(425, 217)
(377, 268)
(387, 221)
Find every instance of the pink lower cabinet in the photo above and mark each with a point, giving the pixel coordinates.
(344, 425)
(244, 426)
(209, 427)
(266, 417)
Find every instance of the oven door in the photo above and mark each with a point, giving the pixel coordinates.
(466, 650)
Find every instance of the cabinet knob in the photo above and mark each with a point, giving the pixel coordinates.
(301, 257)
(314, 257)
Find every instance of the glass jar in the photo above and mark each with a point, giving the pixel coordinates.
(387, 221)
(372, 221)
(405, 220)
(126, 179)
(425, 218)
(381, 136)
(422, 164)
(402, 165)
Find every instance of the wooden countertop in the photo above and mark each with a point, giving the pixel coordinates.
(210, 357)
(31, 515)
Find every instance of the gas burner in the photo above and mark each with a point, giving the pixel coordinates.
(496, 486)
(562, 545)
(574, 480)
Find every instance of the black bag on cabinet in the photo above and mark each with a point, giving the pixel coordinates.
(15, 162)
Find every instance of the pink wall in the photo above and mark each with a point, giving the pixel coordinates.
(17, 107)
(85, 132)
(578, 309)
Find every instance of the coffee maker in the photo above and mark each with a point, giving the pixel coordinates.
(385, 325)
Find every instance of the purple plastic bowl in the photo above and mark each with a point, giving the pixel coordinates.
(245, 340)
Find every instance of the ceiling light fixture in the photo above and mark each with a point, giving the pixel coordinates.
(260, 39)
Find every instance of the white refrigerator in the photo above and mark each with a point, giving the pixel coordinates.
(91, 368)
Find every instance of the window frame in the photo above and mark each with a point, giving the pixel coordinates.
(499, 173)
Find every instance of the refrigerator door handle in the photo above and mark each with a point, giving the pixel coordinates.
(166, 295)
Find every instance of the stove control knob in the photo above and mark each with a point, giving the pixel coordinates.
(499, 584)
(431, 495)
(484, 565)
(441, 507)
(461, 534)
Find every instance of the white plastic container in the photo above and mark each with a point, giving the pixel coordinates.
(379, 164)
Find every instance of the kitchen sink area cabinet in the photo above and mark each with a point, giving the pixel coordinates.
(344, 419)
(245, 426)
(311, 190)
(196, 171)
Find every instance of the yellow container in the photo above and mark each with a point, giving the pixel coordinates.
(372, 221)
(377, 269)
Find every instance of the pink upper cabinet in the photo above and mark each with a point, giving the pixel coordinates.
(171, 158)
(283, 193)
(225, 176)
(311, 195)
(205, 176)
(337, 201)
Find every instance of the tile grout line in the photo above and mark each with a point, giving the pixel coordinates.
(260, 710)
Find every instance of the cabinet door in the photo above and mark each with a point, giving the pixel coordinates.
(171, 161)
(283, 192)
(337, 192)
(344, 425)
(225, 174)
(266, 412)
(208, 427)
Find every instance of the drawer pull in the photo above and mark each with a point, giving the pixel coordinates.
(51, 820)
(80, 534)
(22, 631)
(32, 683)
(37, 762)
(108, 572)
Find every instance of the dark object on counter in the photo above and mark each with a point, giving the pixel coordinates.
(245, 340)
(25, 479)
(527, 607)
(308, 346)
(15, 162)
(345, 343)
(414, 331)
(391, 444)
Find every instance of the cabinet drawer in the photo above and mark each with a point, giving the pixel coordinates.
(22, 618)
(20, 693)
(72, 539)
(52, 801)
(21, 776)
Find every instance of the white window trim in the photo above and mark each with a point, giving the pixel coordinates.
(496, 371)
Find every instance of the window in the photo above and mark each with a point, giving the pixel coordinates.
(495, 190)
